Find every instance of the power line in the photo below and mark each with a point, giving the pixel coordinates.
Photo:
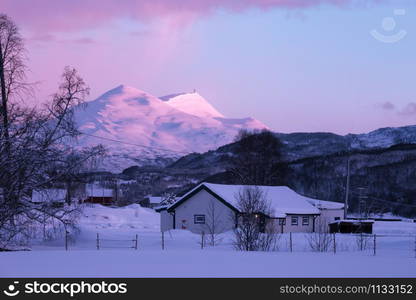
(137, 145)
(392, 202)
(382, 200)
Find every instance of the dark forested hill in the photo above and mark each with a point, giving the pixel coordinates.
(382, 168)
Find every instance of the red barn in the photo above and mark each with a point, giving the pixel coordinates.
(99, 195)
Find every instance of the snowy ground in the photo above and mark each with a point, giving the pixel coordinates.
(183, 256)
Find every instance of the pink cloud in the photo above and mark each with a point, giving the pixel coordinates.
(409, 109)
(387, 106)
(84, 41)
(63, 15)
(47, 38)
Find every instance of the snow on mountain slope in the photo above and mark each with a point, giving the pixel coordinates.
(384, 137)
(137, 127)
(194, 104)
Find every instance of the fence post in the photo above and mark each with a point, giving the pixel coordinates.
(335, 245)
(375, 243)
(290, 242)
(202, 240)
(98, 241)
(66, 240)
(163, 240)
(136, 242)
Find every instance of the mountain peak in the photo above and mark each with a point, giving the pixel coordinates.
(192, 103)
(121, 89)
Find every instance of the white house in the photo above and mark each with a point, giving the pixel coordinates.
(291, 212)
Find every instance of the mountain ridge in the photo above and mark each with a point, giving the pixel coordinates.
(301, 145)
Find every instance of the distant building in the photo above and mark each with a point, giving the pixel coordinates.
(156, 202)
(151, 201)
(291, 212)
(55, 197)
(97, 194)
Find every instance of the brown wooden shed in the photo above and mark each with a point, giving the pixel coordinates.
(351, 226)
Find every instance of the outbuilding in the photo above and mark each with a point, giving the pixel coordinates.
(53, 197)
(99, 195)
(352, 226)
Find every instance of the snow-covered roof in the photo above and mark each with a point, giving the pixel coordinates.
(154, 199)
(161, 207)
(282, 199)
(94, 190)
(49, 195)
(321, 204)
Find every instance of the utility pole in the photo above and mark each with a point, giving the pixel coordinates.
(116, 190)
(362, 204)
(347, 189)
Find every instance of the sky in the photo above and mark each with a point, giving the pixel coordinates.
(342, 66)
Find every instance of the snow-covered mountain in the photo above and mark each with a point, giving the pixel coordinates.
(138, 127)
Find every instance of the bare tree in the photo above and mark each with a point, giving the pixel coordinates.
(12, 75)
(168, 198)
(254, 232)
(12, 67)
(213, 223)
(363, 241)
(37, 146)
(320, 240)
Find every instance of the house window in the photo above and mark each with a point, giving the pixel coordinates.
(294, 221)
(199, 219)
(282, 221)
(305, 221)
(337, 218)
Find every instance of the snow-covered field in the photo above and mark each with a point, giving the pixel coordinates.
(183, 256)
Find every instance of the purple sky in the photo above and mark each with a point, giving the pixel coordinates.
(296, 65)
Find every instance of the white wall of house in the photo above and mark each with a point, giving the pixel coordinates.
(201, 204)
(301, 223)
(330, 215)
(166, 221)
(321, 222)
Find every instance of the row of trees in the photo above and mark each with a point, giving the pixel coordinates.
(257, 158)
(36, 143)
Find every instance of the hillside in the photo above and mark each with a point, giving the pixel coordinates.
(383, 162)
